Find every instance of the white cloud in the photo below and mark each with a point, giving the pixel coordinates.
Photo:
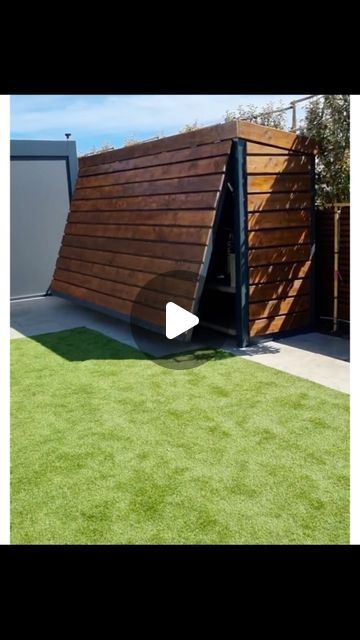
(121, 114)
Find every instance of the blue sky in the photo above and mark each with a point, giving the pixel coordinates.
(96, 119)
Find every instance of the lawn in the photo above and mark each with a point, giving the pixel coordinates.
(108, 447)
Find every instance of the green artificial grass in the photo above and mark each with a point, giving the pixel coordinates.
(108, 447)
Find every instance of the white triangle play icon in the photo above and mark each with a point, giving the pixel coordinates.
(178, 320)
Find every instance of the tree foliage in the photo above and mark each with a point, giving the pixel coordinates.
(262, 114)
(328, 121)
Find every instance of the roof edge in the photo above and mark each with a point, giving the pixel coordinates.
(276, 137)
(204, 135)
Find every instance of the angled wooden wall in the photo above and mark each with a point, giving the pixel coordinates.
(139, 211)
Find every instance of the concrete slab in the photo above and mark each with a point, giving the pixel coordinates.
(327, 370)
(50, 314)
(321, 358)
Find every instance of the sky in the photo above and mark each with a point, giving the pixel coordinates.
(94, 120)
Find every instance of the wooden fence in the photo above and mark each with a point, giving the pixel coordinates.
(333, 267)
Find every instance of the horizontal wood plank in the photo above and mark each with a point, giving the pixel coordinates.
(156, 299)
(277, 255)
(278, 164)
(190, 235)
(279, 201)
(164, 283)
(185, 218)
(278, 183)
(278, 237)
(180, 201)
(184, 252)
(123, 307)
(145, 264)
(276, 290)
(161, 159)
(278, 307)
(255, 148)
(279, 219)
(179, 185)
(195, 168)
(279, 323)
(276, 272)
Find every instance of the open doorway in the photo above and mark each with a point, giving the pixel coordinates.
(217, 308)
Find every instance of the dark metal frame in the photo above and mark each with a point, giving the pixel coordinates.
(241, 241)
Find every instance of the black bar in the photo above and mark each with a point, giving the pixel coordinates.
(241, 243)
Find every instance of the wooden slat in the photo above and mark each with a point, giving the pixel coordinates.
(278, 307)
(279, 323)
(278, 237)
(133, 262)
(195, 218)
(275, 219)
(254, 148)
(274, 273)
(278, 183)
(278, 164)
(204, 135)
(179, 185)
(137, 278)
(154, 316)
(266, 135)
(180, 201)
(276, 290)
(190, 235)
(154, 299)
(278, 201)
(171, 171)
(166, 158)
(276, 255)
(184, 252)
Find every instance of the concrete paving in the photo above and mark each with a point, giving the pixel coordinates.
(314, 356)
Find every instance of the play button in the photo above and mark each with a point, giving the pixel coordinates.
(178, 320)
(160, 302)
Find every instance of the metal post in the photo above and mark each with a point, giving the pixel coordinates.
(241, 242)
(337, 212)
(293, 125)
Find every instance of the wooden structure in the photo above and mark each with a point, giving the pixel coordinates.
(186, 203)
(333, 267)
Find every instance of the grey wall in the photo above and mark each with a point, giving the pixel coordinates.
(43, 175)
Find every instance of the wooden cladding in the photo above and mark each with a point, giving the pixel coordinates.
(205, 135)
(163, 160)
(149, 209)
(279, 219)
(278, 183)
(279, 204)
(178, 201)
(192, 235)
(279, 201)
(192, 169)
(278, 164)
(289, 322)
(325, 272)
(136, 215)
(159, 187)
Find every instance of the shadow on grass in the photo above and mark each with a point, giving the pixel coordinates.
(82, 344)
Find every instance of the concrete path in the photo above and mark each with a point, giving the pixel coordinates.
(314, 356)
